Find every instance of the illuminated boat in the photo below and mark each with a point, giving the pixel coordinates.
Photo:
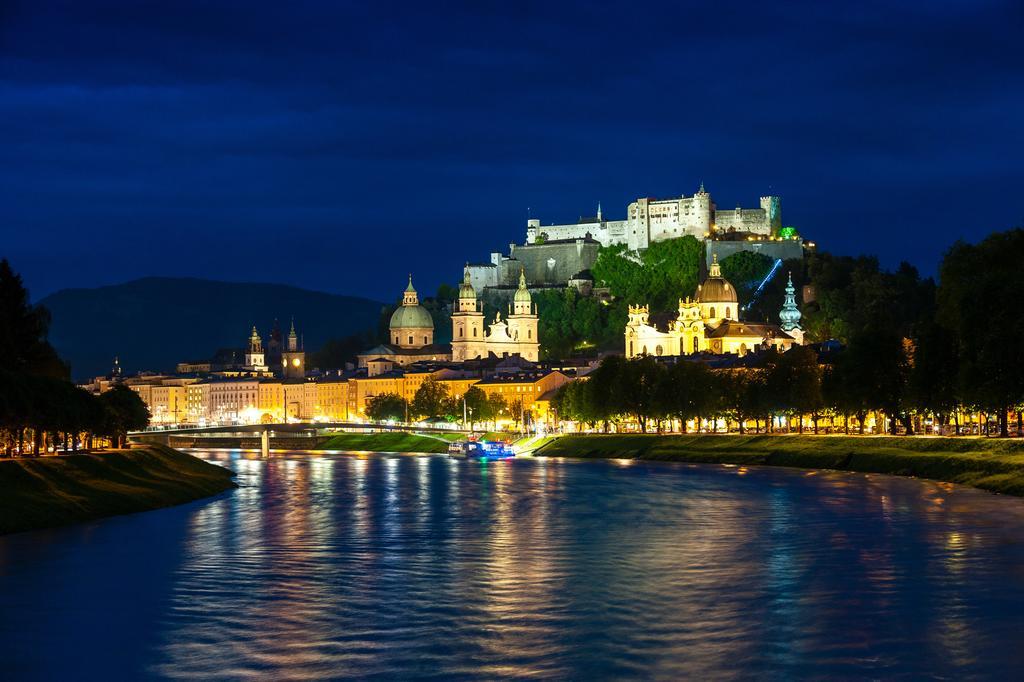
(480, 450)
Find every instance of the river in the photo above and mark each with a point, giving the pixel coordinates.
(407, 566)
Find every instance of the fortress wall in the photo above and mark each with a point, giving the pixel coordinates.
(786, 250)
(551, 263)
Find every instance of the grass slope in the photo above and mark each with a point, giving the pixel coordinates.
(995, 465)
(54, 491)
(389, 441)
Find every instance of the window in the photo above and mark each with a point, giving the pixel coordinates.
(460, 332)
(728, 312)
(631, 348)
(424, 340)
(712, 311)
(474, 331)
(529, 333)
(410, 339)
(658, 350)
(695, 344)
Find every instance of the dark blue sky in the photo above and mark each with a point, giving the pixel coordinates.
(339, 147)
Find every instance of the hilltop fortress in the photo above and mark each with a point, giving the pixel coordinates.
(560, 255)
(652, 220)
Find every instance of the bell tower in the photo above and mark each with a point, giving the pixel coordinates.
(468, 340)
(254, 357)
(293, 358)
(522, 322)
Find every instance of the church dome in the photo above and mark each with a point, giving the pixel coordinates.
(411, 317)
(716, 289)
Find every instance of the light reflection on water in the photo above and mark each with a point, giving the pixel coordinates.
(420, 566)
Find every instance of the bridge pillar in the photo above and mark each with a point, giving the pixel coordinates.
(265, 443)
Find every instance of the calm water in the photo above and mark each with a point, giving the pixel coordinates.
(419, 566)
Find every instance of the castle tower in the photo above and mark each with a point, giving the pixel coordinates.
(411, 325)
(468, 340)
(790, 314)
(254, 357)
(522, 322)
(293, 358)
(772, 207)
(703, 212)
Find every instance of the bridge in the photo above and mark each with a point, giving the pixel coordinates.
(287, 436)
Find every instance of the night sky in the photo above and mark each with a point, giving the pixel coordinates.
(339, 147)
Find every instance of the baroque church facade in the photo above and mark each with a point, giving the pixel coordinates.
(515, 335)
(411, 330)
(710, 323)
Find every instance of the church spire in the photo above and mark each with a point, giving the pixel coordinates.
(599, 211)
(790, 315)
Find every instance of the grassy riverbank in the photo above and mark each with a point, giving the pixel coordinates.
(54, 491)
(990, 464)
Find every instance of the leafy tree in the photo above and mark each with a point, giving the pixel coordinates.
(124, 411)
(745, 270)
(976, 284)
(386, 406)
(477, 406)
(23, 330)
(657, 276)
(635, 390)
(432, 399)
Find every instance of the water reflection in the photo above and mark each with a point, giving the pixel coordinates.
(408, 566)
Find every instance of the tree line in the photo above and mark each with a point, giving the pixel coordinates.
(433, 400)
(910, 349)
(40, 409)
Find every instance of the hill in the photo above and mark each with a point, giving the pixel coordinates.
(155, 322)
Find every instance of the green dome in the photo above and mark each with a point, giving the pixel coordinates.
(411, 317)
(466, 290)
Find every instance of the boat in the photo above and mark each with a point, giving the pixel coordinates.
(481, 450)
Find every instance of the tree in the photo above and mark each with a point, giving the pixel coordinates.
(477, 406)
(432, 399)
(23, 330)
(124, 411)
(746, 270)
(976, 283)
(386, 407)
(635, 389)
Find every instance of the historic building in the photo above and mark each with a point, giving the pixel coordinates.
(650, 220)
(710, 323)
(515, 335)
(293, 357)
(254, 357)
(410, 336)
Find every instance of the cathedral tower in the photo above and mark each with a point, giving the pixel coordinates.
(522, 322)
(467, 323)
(254, 357)
(293, 358)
